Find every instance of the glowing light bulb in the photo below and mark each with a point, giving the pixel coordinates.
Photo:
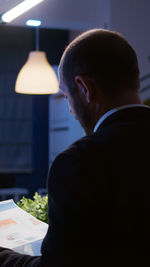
(37, 76)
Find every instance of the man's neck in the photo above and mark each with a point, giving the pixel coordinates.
(112, 103)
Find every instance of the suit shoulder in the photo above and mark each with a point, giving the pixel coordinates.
(81, 149)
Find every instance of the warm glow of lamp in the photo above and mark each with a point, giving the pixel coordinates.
(37, 76)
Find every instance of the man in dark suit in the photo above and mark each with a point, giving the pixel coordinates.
(98, 189)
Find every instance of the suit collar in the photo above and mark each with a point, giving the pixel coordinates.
(126, 110)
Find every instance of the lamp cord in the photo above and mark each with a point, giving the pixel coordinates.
(37, 38)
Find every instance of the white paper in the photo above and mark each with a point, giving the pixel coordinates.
(19, 230)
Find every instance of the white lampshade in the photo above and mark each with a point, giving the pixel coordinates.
(37, 76)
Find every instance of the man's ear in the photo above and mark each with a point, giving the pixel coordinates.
(85, 87)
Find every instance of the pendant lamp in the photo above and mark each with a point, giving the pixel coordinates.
(37, 77)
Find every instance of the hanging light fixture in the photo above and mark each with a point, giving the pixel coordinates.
(37, 76)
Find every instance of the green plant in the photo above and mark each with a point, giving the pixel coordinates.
(38, 207)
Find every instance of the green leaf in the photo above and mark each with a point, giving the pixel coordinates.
(38, 206)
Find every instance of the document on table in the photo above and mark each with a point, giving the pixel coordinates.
(19, 230)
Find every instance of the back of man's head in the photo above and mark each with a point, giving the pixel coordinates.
(104, 56)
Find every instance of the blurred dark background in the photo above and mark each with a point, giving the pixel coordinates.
(15, 45)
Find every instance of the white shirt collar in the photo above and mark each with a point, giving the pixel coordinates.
(110, 112)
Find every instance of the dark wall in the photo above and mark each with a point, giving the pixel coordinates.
(17, 42)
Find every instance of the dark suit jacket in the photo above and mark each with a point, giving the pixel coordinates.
(99, 197)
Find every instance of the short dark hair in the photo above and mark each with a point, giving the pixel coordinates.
(103, 55)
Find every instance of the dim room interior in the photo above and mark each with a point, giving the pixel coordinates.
(34, 128)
